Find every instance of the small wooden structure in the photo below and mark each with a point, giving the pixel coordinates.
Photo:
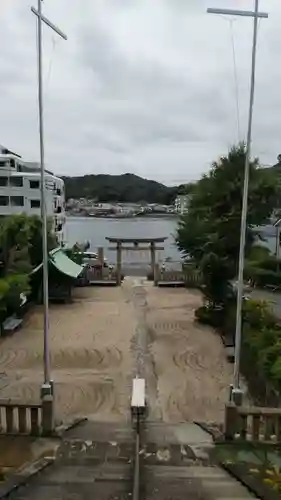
(137, 244)
(63, 273)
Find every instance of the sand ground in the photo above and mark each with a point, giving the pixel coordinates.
(107, 336)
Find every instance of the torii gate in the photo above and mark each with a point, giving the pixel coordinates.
(133, 244)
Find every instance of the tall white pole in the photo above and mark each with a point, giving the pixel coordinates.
(244, 213)
(43, 204)
(47, 387)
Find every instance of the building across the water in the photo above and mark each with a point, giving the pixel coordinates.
(20, 184)
(182, 203)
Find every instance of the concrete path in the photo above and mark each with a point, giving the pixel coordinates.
(183, 362)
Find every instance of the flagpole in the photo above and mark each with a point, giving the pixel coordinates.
(47, 387)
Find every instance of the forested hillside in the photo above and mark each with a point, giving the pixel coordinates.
(119, 188)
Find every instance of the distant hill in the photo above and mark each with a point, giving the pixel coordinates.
(119, 188)
(131, 188)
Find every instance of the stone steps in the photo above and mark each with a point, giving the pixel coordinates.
(95, 460)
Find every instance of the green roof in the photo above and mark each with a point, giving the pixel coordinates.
(63, 264)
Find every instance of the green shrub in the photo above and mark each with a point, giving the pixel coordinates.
(203, 315)
(263, 271)
(249, 271)
(210, 316)
(11, 288)
(258, 315)
(258, 253)
(18, 284)
(261, 347)
(270, 263)
(261, 342)
(263, 277)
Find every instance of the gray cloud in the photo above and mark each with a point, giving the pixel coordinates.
(145, 86)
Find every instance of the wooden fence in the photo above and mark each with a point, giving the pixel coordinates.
(98, 274)
(252, 423)
(188, 277)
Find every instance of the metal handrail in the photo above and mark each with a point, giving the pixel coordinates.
(136, 484)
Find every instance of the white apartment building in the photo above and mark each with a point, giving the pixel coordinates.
(181, 203)
(20, 191)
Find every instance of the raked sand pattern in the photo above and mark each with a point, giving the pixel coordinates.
(105, 337)
(89, 354)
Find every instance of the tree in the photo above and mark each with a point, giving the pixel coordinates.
(21, 243)
(186, 188)
(20, 252)
(35, 239)
(14, 235)
(210, 231)
(123, 188)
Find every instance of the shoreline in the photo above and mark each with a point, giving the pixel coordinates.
(150, 216)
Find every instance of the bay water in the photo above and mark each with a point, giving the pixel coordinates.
(95, 230)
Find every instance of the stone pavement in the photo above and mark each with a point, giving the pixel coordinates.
(95, 461)
(184, 363)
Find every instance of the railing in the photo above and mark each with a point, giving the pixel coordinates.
(20, 418)
(23, 419)
(190, 277)
(252, 423)
(136, 477)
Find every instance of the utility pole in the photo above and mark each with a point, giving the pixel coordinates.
(237, 393)
(47, 387)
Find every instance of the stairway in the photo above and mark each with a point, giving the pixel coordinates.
(92, 462)
(96, 461)
(180, 467)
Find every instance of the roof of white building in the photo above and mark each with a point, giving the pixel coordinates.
(35, 175)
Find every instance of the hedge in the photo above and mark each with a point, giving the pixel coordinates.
(262, 277)
(261, 346)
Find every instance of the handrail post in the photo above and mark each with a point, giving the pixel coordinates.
(136, 486)
(230, 427)
(48, 415)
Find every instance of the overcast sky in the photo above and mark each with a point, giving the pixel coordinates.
(143, 86)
